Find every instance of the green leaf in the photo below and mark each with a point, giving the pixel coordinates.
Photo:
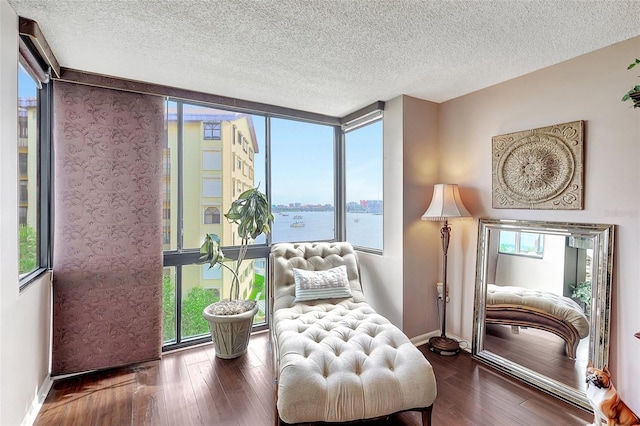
(245, 194)
(211, 251)
(251, 212)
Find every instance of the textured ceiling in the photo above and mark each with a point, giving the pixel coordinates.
(327, 56)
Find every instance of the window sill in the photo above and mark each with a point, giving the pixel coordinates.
(32, 277)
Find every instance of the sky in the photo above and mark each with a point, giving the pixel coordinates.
(26, 86)
(364, 163)
(302, 168)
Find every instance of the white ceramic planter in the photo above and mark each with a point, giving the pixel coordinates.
(230, 333)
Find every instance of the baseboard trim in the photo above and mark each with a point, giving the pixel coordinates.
(37, 402)
(422, 339)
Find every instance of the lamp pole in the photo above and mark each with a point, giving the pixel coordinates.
(442, 344)
(445, 205)
(445, 233)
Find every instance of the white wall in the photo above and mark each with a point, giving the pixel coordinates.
(422, 248)
(383, 275)
(24, 318)
(401, 284)
(546, 274)
(585, 88)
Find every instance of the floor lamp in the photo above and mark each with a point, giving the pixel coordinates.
(445, 205)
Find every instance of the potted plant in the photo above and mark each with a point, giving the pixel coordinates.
(230, 320)
(582, 295)
(634, 93)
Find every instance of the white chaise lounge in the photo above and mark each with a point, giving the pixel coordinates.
(335, 359)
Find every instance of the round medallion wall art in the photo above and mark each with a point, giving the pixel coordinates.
(540, 168)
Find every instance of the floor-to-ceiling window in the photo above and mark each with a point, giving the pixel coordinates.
(303, 181)
(34, 136)
(363, 183)
(213, 154)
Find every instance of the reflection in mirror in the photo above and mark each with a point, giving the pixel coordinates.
(541, 308)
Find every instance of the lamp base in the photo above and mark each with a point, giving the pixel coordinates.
(444, 345)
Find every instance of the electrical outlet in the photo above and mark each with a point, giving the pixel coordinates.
(439, 288)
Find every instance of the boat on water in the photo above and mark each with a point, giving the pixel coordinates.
(284, 214)
(297, 216)
(297, 224)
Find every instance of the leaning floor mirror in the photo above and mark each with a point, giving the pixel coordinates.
(542, 302)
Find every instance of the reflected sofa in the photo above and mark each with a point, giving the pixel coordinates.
(523, 307)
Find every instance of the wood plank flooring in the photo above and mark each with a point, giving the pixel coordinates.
(193, 387)
(540, 351)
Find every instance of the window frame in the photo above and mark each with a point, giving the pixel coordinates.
(376, 116)
(211, 130)
(181, 256)
(211, 183)
(23, 166)
(44, 186)
(215, 155)
(539, 245)
(213, 215)
(23, 192)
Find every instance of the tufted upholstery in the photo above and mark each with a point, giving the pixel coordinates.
(338, 360)
(311, 257)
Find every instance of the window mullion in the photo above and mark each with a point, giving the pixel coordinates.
(180, 221)
(180, 127)
(178, 307)
(340, 184)
(46, 177)
(267, 167)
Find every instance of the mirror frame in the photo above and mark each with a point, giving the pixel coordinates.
(600, 306)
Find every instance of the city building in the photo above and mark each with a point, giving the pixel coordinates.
(28, 183)
(218, 159)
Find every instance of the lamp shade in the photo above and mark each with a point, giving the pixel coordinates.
(445, 204)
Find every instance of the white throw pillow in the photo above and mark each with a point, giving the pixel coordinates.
(313, 285)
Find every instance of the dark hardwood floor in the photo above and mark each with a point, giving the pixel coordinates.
(540, 351)
(193, 387)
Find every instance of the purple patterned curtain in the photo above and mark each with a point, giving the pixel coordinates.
(107, 258)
